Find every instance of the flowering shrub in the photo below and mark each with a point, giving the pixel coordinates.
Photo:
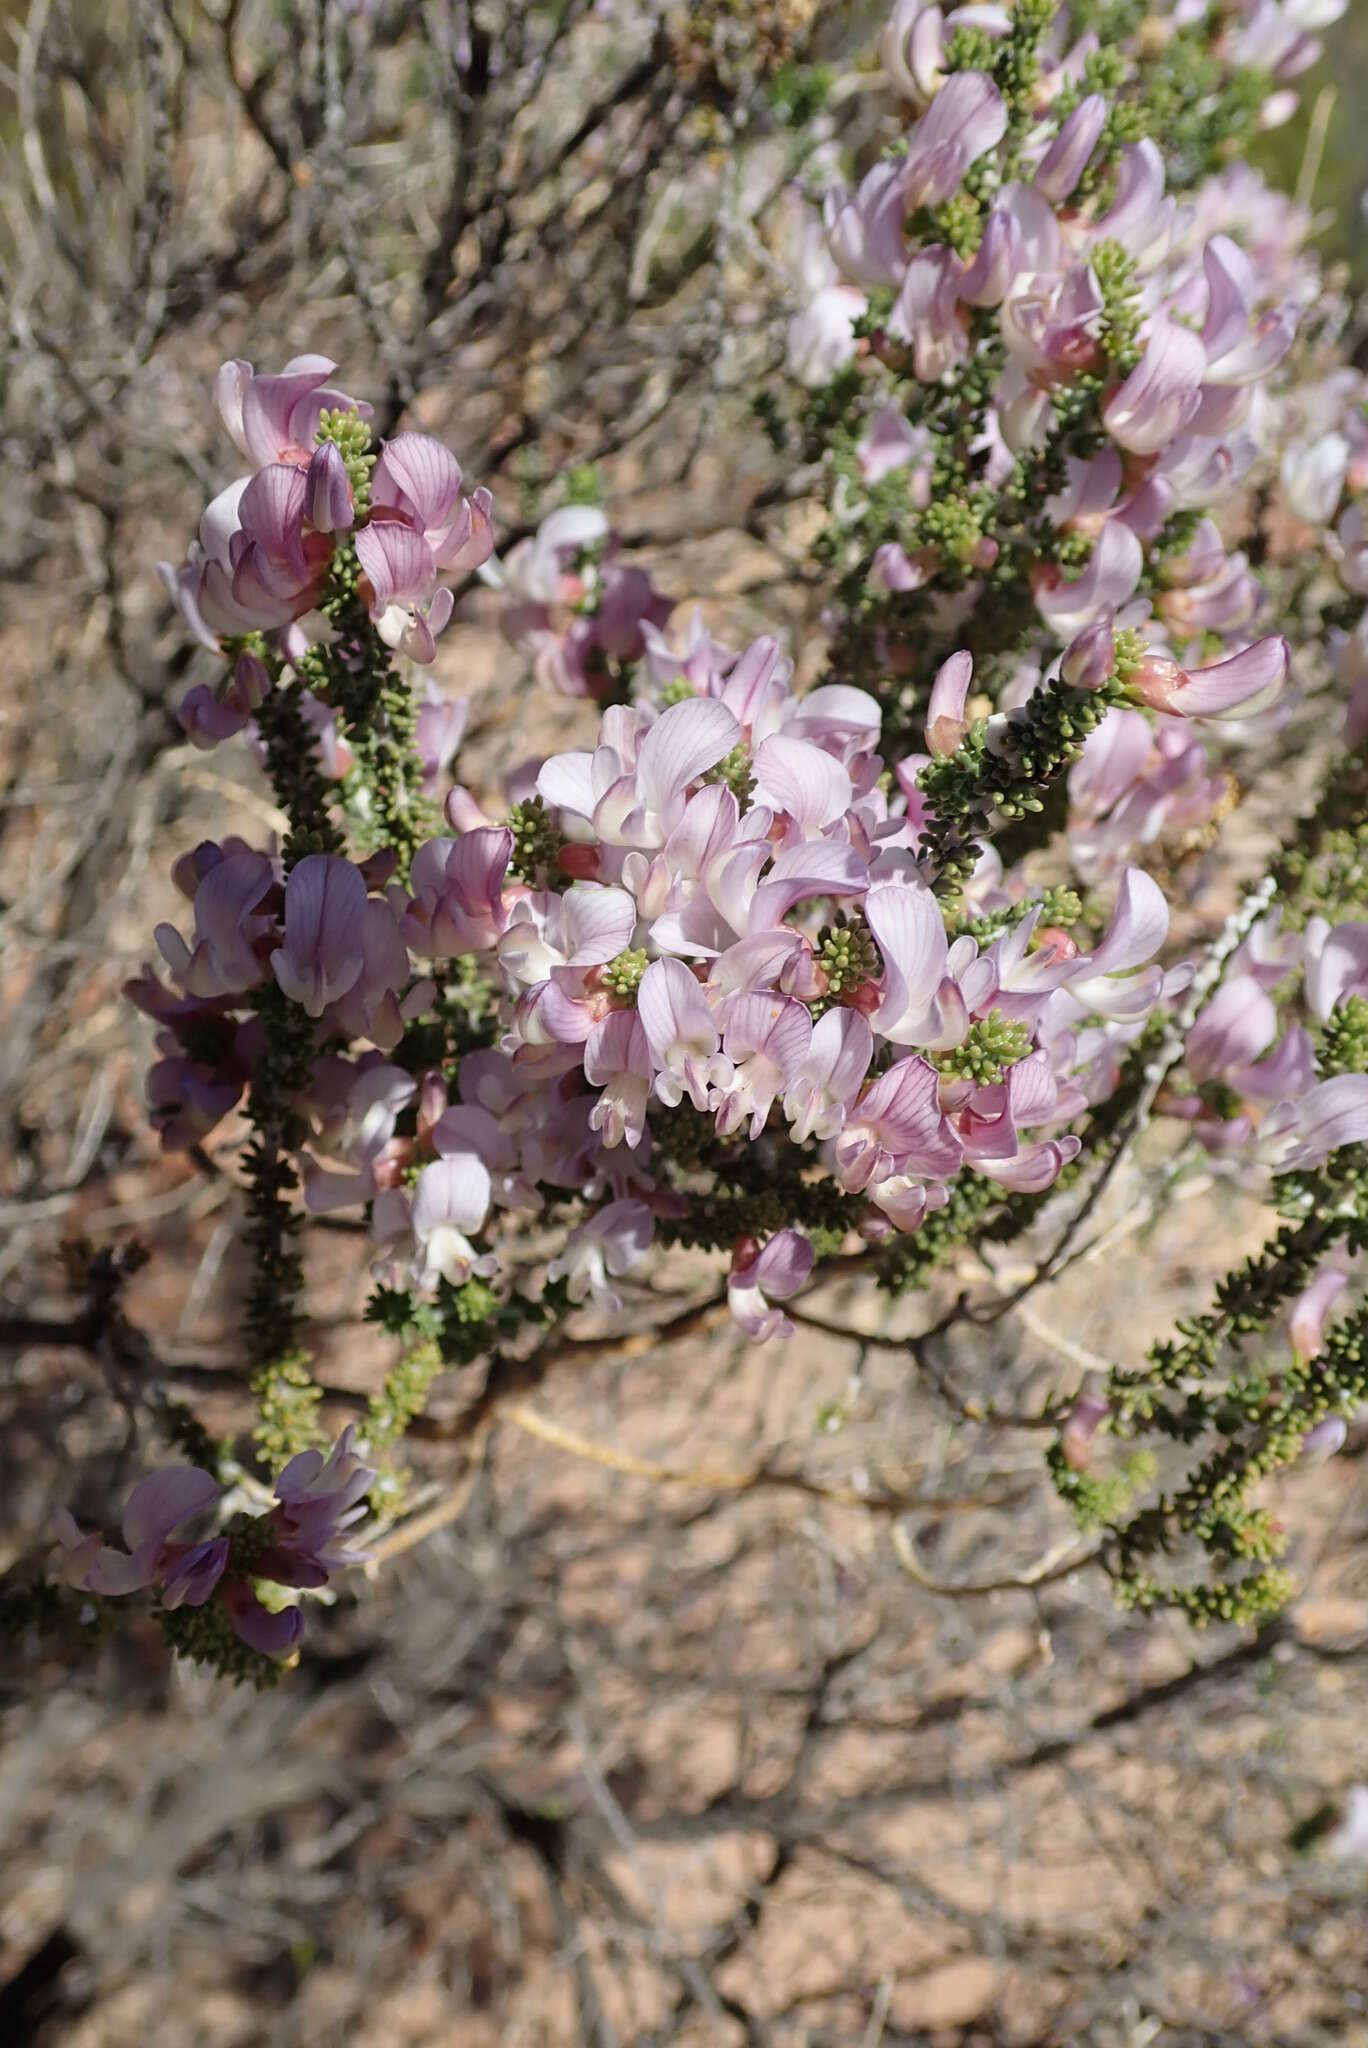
(867, 971)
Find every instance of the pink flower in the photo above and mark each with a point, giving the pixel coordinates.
(945, 721)
(1242, 683)
(767, 1039)
(1324, 1439)
(418, 481)
(275, 419)
(1113, 571)
(919, 1003)
(638, 802)
(611, 1241)
(406, 607)
(206, 718)
(912, 46)
(780, 1269)
(254, 565)
(617, 1060)
(1237, 1025)
(890, 443)
(1299, 1136)
(1236, 352)
(897, 1126)
(926, 315)
(1336, 964)
(1306, 1325)
(440, 730)
(997, 261)
(1066, 159)
(682, 1036)
(450, 1203)
(966, 119)
(818, 1097)
(1081, 1425)
(865, 233)
(231, 925)
(456, 904)
(1162, 392)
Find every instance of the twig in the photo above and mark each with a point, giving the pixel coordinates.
(1058, 1563)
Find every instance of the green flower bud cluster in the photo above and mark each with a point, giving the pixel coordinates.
(847, 955)
(622, 976)
(993, 1044)
(350, 435)
(537, 843)
(736, 771)
(1119, 328)
(206, 1636)
(1344, 1044)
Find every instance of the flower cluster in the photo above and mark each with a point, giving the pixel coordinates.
(298, 1543)
(1052, 366)
(729, 914)
(266, 544)
(867, 969)
(581, 615)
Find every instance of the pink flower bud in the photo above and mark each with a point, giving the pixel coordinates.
(1090, 659)
(1081, 1425)
(945, 722)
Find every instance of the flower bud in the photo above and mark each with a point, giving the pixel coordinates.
(1090, 660)
(1320, 1444)
(1081, 1425)
(579, 861)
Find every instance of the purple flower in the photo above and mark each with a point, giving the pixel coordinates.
(325, 909)
(320, 1500)
(272, 1632)
(185, 1574)
(1306, 1325)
